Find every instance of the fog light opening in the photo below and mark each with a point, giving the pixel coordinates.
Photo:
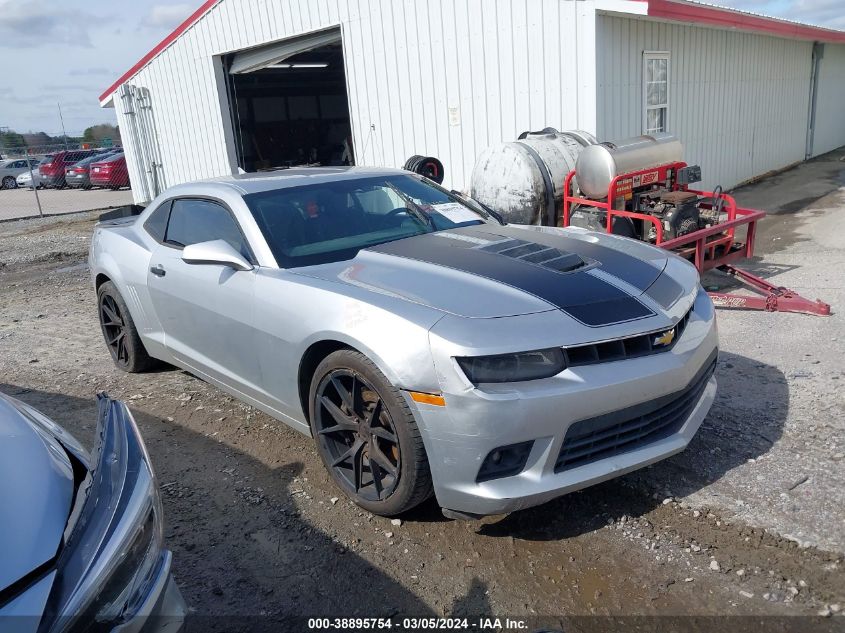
(504, 461)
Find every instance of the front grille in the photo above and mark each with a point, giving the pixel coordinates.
(615, 433)
(623, 348)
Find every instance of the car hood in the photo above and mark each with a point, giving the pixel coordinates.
(36, 489)
(487, 271)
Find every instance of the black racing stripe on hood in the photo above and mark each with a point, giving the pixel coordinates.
(665, 291)
(621, 265)
(589, 299)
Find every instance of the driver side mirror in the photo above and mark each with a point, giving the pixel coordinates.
(217, 252)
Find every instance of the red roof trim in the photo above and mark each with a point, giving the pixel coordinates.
(729, 19)
(167, 41)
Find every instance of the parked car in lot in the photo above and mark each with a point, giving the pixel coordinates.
(81, 536)
(24, 180)
(110, 172)
(78, 176)
(11, 169)
(53, 172)
(426, 346)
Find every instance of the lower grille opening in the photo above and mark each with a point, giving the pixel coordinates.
(628, 429)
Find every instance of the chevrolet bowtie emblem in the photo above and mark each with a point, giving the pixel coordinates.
(664, 339)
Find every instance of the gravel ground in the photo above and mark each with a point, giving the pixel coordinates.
(747, 521)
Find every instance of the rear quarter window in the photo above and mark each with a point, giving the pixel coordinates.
(156, 224)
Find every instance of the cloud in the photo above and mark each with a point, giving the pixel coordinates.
(168, 16)
(825, 13)
(85, 72)
(38, 23)
(70, 87)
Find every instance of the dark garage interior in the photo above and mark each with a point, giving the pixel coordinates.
(293, 111)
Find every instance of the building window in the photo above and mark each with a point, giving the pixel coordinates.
(655, 91)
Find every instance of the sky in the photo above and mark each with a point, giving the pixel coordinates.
(58, 52)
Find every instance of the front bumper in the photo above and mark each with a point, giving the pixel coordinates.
(476, 421)
(164, 610)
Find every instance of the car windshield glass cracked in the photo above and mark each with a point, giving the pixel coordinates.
(332, 221)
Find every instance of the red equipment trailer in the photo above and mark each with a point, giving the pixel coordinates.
(715, 246)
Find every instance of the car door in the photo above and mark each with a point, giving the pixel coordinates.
(205, 310)
(16, 167)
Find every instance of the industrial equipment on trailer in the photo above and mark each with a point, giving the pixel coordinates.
(639, 188)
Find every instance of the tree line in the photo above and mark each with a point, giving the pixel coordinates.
(12, 140)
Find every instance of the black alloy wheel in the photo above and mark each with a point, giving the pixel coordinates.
(119, 331)
(358, 435)
(114, 330)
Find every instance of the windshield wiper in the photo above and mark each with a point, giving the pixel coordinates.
(413, 207)
(481, 207)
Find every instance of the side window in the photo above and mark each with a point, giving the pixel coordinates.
(655, 92)
(193, 221)
(156, 224)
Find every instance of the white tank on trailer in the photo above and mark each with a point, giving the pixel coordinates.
(599, 164)
(523, 179)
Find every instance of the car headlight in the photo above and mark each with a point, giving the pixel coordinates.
(114, 540)
(521, 366)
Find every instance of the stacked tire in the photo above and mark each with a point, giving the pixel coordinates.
(427, 166)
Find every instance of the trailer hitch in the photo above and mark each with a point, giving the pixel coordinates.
(771, 298)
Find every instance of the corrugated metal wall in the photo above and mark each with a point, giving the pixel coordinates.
(501, 63)
(830, 101)
(738, 101)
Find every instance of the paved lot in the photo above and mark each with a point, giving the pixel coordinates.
(747, 521)
(21, 203)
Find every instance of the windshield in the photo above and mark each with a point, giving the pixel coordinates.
(332, 221)
(87, 161)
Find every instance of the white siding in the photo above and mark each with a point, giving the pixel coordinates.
(507, 65)
(830, 101)
(738, 101)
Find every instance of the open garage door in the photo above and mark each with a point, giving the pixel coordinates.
(289, 103)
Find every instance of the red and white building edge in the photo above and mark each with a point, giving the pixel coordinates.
(747, 94)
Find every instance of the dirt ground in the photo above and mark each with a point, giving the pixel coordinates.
(748, 521)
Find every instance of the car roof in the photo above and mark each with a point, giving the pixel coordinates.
(107, 158)
(294, 177)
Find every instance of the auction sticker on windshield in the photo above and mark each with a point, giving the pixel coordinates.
(455, 212)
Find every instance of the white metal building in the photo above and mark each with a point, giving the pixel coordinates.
(257, 84)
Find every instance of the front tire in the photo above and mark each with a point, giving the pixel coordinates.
(10, 183)
(119, 332)
(367, 436)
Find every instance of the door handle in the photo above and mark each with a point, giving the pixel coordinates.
(158, 271)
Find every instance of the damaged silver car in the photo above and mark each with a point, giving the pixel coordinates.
(425, 345)
(81, 537)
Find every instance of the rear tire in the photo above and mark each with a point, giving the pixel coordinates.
(366, 435)
(10, 183)
(119, 332)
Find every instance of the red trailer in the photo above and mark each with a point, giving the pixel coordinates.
(713, 232)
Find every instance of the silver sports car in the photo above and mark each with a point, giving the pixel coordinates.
(426, 346)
